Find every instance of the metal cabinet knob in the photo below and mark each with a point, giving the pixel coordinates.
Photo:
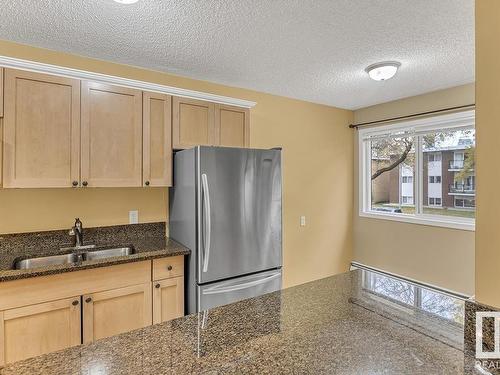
(85, 183)
(169, 268)
(146, 183)
(74, 183)
(88, 300)
(75, 303)
(157, 286)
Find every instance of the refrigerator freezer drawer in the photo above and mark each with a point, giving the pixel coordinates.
(229, 291)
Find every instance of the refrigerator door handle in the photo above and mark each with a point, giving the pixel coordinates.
(207, 221)
(232, 288)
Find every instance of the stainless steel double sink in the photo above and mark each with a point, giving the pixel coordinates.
(79, 255)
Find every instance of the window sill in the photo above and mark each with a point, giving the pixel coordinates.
(430, 220)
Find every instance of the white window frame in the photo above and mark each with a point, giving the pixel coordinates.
(452, 121)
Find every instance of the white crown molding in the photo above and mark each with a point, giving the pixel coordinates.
(10, 62)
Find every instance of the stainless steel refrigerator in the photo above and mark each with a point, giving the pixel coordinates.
(226, 207)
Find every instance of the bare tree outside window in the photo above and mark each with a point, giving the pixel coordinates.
(448, 174)
(400, 291)
(393, 174)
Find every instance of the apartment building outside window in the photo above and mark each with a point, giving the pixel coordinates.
(420, 171)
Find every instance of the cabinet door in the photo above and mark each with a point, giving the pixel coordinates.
(168, 299)
(193, 123)
(157, 139)
(1, 92)
(116, 311)
(232, 126)
(38, 329)
(111, 136)
(41, 130)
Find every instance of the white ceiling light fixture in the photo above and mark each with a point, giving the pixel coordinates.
(383, 71)
(126, 1)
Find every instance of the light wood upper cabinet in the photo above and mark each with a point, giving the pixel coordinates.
(193, 123)
(41, 145)
(197, 122)
(232, 126)
(111, 136)
(39, 329)
(116, 311)
(1, 92)
(157, 139)
(168, 299)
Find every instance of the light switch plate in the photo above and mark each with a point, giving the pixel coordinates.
(133, 217)
(302, 221)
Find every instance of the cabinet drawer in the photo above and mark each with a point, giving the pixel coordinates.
(165, 268)
(30, 291)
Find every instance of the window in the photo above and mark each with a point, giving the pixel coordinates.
(420, 171)
(405, 199)
(434, 201)
(465, 202)
(434, 156)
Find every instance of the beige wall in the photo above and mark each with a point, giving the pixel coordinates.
(488, 144)
(317, 162)
(439, 256)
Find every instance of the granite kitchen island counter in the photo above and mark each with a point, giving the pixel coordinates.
(336, 325)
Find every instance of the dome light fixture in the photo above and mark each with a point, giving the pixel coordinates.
(126, 2)
(383, 71)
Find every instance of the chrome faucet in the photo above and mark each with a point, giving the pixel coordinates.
(77, 231)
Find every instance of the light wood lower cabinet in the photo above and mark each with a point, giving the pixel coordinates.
(39, 329)
(168, 299)
(116, 311)
(49, 313)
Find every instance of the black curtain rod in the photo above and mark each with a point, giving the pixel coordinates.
(355, 126)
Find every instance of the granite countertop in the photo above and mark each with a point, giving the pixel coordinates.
(148, 240)
(337, 325)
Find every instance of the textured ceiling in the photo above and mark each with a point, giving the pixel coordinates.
(314, 50)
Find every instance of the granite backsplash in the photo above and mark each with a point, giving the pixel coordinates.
(17, 245)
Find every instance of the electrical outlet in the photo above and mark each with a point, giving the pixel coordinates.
(133, 217)
(302, 221)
